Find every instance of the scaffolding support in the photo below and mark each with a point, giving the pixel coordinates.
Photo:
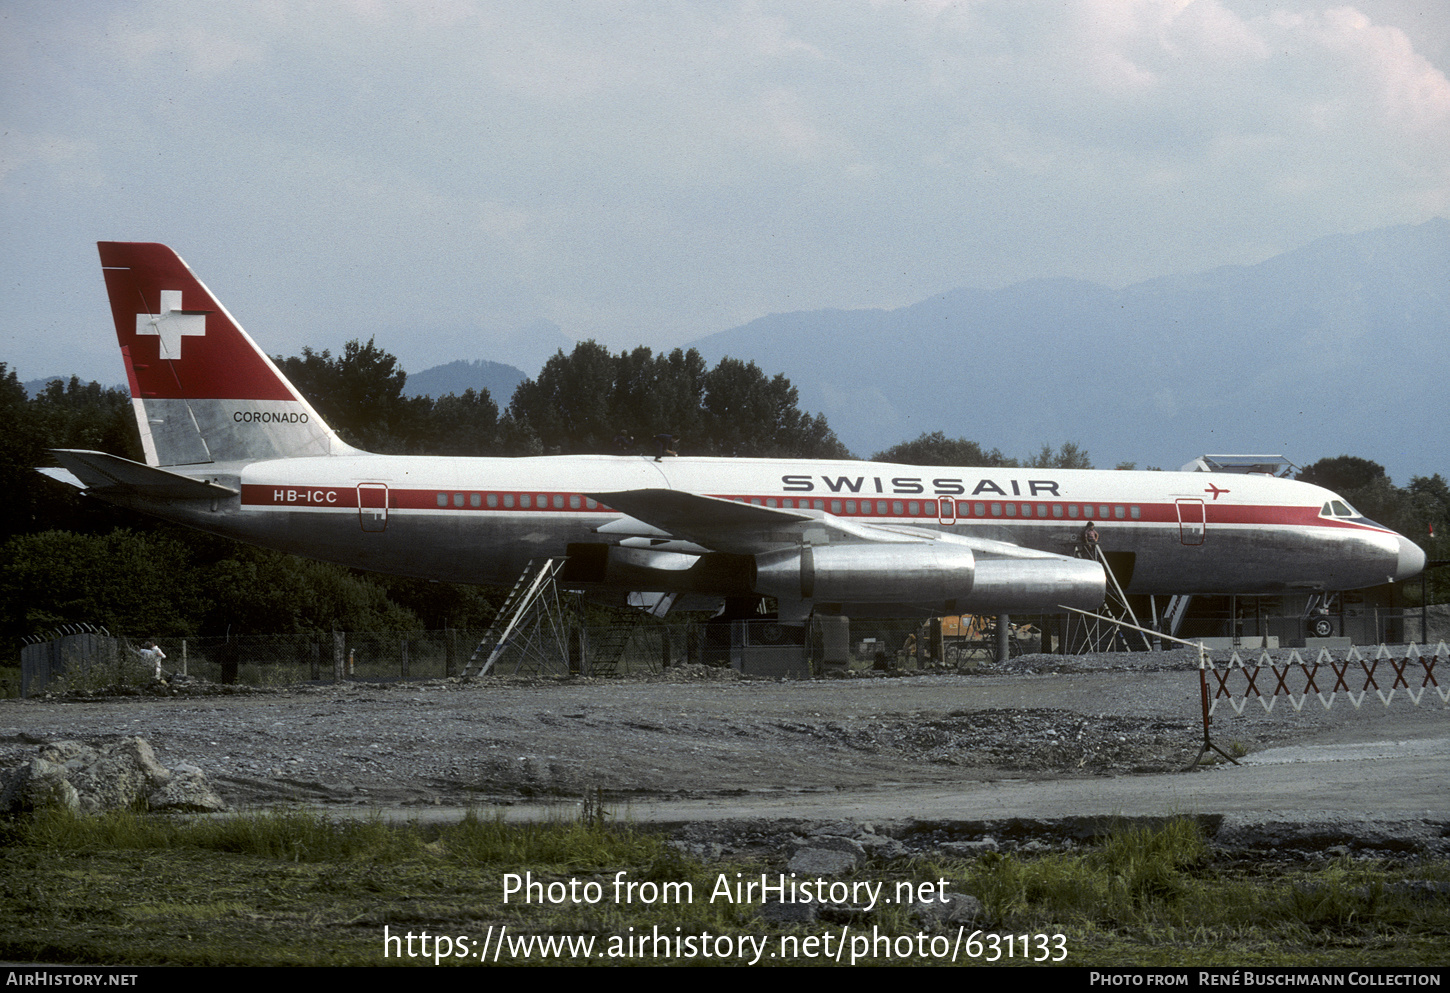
(531, 620)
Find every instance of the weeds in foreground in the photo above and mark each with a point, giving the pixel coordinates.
(296, 887)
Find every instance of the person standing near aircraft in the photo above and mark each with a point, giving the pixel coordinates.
(153, 655)
(1088, 542)
(663, 443)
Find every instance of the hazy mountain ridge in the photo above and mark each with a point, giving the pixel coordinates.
(455, 377)
(1320, 351)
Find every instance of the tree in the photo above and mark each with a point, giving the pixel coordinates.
(130, 583)
(1343, 473)
(746, 414)
(568, 405)
(580, 402)
(464, 425)
(1069, 456)
(64, 415)
(360, 395)
(937, 449)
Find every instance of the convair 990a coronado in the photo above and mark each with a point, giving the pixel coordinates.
(232, 448)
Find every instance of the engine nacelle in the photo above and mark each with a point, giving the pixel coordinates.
(935, 575)
(1006, 586)
(921, 573)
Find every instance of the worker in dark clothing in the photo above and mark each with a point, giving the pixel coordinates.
(1088, 542)
(664, 446)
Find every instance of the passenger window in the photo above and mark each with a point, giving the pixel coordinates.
(493, 499)
(443, 502)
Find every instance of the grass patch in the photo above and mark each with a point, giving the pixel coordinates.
(294, 887)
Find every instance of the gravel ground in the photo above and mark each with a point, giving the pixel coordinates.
(691, 733)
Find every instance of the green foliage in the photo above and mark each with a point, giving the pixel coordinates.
(64, 415)
(276, 593)
(937, 449)
(1343, 473)
(132, 584)
(1069, 456)
(581, 402)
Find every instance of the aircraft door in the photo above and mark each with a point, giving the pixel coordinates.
(1192, 524)
(372, 506)
(946, 510)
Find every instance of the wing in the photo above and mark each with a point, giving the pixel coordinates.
(722, 525)
(804, 557)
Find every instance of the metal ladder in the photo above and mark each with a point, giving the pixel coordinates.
(535, 585)
(1092, 635)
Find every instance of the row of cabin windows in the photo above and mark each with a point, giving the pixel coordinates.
(868, 508)
(964, 508)
(525, 501)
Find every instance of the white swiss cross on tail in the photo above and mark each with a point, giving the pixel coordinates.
(172, 323)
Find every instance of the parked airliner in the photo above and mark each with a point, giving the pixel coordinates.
(234, 449)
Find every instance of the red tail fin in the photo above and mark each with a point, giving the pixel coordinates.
(203, 390)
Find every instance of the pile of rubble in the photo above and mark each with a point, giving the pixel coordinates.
(119, 775)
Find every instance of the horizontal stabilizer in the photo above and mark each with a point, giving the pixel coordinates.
(110, 474)
(62, 476)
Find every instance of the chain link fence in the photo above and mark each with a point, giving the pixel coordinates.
(94, 660)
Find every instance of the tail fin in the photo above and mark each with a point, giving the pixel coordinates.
(201, 388)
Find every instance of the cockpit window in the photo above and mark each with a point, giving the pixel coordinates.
(1338, 508)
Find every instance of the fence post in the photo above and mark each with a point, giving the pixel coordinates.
(339, 654)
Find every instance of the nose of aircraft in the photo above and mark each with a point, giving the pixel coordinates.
(1411, 560)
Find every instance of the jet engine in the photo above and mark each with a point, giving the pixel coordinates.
(929, 574)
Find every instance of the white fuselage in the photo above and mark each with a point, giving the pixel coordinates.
(480, 520)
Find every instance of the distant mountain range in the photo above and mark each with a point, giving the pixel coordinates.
(500, 380)
(1339, 347)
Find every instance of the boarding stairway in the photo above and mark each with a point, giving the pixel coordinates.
(540, 628)
(530, 619)
(1103, 634)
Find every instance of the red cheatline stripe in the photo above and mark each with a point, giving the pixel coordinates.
(543, 501)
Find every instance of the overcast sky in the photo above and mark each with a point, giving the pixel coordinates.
(449, 176)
